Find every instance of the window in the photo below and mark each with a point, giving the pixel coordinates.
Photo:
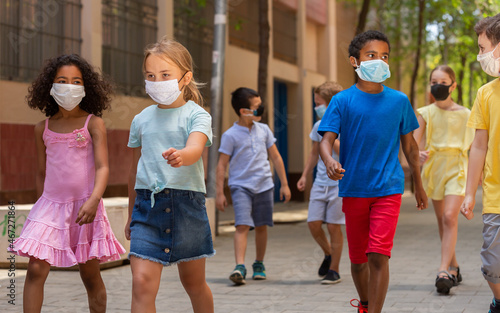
(128, 26)
(194, 29)
(244, 24)
(284, 34)
(32, 31)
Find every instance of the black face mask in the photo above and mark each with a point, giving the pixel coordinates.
(259, 111)
(440, 92)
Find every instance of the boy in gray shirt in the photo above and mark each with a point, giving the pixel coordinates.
(246, 147)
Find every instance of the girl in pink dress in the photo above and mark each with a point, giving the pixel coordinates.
(68, 224)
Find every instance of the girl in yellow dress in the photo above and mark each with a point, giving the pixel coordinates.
(445, 166)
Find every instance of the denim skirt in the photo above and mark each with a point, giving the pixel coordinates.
(175, 229)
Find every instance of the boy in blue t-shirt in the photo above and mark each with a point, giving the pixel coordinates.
(246, 147)
(373, 120)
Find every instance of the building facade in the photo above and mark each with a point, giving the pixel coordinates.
(308, 46)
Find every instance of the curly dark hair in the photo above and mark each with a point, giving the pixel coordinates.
(360, 41)
(98, 91)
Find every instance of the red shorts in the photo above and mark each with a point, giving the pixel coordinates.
(370, 225)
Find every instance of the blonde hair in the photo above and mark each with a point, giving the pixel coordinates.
(327, 90)
(180, 56)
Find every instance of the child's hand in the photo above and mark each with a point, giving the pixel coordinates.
(173, 157)
(220, 202)
(334, 170)
(127, 229)
(87, 212)
(423, 156)
(421, 197)
(301, 184)
(467, 207)
(285, 193)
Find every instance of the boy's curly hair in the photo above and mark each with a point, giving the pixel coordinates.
(360, 41)
(98, 91)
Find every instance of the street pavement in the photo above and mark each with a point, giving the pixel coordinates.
(292, 261)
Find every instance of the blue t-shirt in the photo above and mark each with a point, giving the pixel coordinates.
(321, 177)
(371, 126)
(248, 164)
(155, 130)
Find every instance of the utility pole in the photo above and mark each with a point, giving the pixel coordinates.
(216, 89)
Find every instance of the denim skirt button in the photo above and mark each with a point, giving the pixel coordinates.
(167, 250)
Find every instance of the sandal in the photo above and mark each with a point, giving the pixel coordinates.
(444, 283)
(458, 278)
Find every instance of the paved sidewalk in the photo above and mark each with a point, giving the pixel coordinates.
(291, 262)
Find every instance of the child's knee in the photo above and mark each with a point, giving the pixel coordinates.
(37, 269)
(194, 288)
(358, 267)
(378, 260)
(91, 279)
(242, 228)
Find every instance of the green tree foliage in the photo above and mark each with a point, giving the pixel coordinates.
(449, 38)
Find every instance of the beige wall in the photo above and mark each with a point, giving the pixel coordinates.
(346, 17)
(240, 71)
(14, 108)
(311, 45)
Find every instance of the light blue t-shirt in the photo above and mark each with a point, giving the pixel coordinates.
(370, 126)
(155, 130)
(321, 177)
(248, 164)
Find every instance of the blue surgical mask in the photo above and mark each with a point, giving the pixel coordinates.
(375, 71)
(320, 110)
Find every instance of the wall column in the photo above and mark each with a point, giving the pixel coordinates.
(165, 18)
(92, 32)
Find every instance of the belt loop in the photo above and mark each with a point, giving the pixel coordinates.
(191, 195)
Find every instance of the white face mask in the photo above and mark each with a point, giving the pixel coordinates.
(67, 96)
(164, 92)
(489, 64)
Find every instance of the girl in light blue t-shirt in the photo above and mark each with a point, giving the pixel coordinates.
(167, 222)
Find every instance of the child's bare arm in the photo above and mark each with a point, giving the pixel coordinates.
(312, 160)
(190, 154)
(136, 155)
(41, 157)
(411, 152)
(336, 147)
(279, 166)
(334, 169)
(220, 198)
(418, 134)
(89, 208)
(477, 156)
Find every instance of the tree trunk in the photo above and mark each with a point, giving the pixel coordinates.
(362, 17)
(421, 7)
(263, 51)
(460, 79)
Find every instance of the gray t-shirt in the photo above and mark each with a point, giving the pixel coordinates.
(321, 177)
(249, 165)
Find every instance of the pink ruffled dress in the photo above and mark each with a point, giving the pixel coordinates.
(50, 232)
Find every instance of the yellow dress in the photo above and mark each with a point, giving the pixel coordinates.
(448, 140)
